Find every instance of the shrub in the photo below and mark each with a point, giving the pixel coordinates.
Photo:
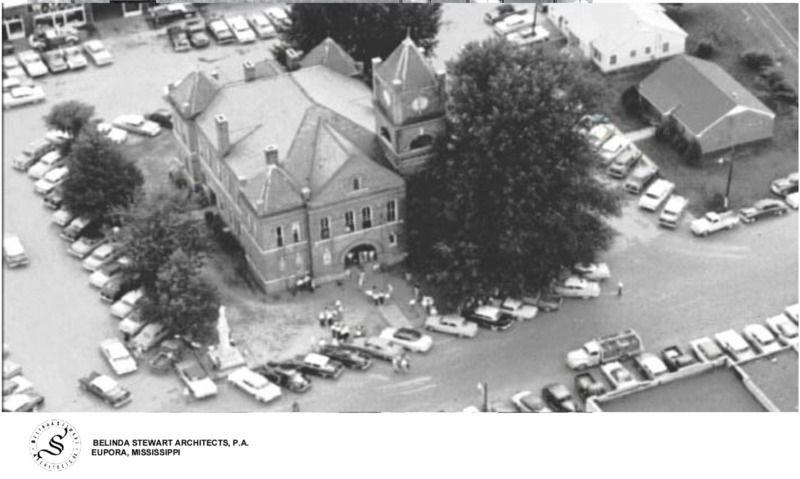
(630, 101)
(692, 153)
(716, 203)
(757, 60)
(772, 76)
(705, 49)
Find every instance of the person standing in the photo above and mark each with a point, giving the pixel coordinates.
(389, 291)
(323, 319)
(361, 276)
(619, 289)
(416, 292)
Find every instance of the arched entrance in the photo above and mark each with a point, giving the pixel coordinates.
(360, 255)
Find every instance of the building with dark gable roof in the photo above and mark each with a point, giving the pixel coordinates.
(306, 167)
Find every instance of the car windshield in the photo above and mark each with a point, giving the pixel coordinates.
(194, 373)
(408, 334)
(104, 383)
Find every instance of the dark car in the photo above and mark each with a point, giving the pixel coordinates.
(762, 208)
(586, 385)
(106, 389)
(178, 39)
(196, 29)
(285, 376)
(675, 358)
(54, 198)
(558, 397)
(349, 358)
(115, 288)
(315, 364)
(162, 117)
(164, 14)
(549, 301)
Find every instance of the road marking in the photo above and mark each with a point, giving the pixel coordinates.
(414, 391)
(410, 382)
(780, 25)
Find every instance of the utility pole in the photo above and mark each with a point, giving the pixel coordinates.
(484, 388)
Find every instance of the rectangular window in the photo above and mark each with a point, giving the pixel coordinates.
(612, 60)
(391, 211)
(366, 217)
(647, 50)
(325, 228)
(392, 238)
(295, 232)
(633, 53)
(279, 236)
(349, 222)
(665, 48)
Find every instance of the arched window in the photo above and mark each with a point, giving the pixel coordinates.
(385, 134)
(421, 141)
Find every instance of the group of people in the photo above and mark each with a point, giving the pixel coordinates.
(331, 314)
(380, 296)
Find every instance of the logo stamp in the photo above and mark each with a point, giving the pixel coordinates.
(55, 445)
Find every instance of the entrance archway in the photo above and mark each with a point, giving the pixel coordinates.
(360, 255)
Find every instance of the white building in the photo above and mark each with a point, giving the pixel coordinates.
(618, 35)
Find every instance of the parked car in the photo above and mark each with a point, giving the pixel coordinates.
(261, 25)
(12, 67)
(577, 287)
(279, 18)
(118, 356)
(622, 165)
(784, 329)
(14, 253)
(613, 148)
(115, 288)
(196, 379)
(641, 176)
(734, 344)
(255, 385)
(11, 369)
(51, 180)
(116, 135)
(55, 198)
(137, 124)
(285, 376)
(126, 304)
(49, 38)
(103, 275)
(220, 31)
(706, 349)
(672, 212)
(558, 398)
(548, 301)
(376, 347)
(77, 227)
(526, 401)
(793, 312)
(23, 402)
(241, 30)
(656, 194)
(17, 384)
(451, 324)
(196, 29)
(164, 14)
(55, 61)
(31, 154)
(162, 117)
(650, 366)
(103, 254)
(169, 352)
(785, 186)
(763, 208)
(604, 349)
(148, 336)
(75, 58)
(47, 162)
(86, 244)
(32, 63)
(593, 271)
(713, 222)
(23, 95)
(62, 217)
(761, 338)
(518, 309)
(490, 317)
(98, 53)
(674, 358)
(618, 375)
(601, 133)
(501, 12)
(106, 389)
(178, 39)
(587, 386)
(529, 35)
(409, 339)
(512, 23)
(316, 364)
(793, 199)
(349, 359)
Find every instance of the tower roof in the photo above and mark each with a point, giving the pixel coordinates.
(409, 66)
(330, 54)
(193, 93)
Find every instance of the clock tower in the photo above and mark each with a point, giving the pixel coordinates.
(409, 100)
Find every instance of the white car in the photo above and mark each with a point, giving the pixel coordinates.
(793, 312)
(23, 95)
(47, 162)
(13, 252)
(513, 23)
(577, 287)
(408, 338)
(198, 382)
(735, 345)
(103, 275)
(98, 52)
(118, 356)
(762, 339)
(137, 124)
(618, 375)
(527, 401)
(706, 349)
(75, 58)
(255, 385)
(17, 385)
(100, 256)
(593, 271)
(261, 25)
(278, 17)
(452, 324)
(12, 68)
(521, 311)
(529, 35)
(783, 328)
(601, 133)
(32, 63)
(650, 365)
(86, 244)
(62, 217)
(126, 304)
(793, 199)
(612, 148)
(656, 194)
(116, 135)
(10, 369)
(241, 30)
(53, 178)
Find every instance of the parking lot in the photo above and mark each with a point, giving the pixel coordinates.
(677, 287)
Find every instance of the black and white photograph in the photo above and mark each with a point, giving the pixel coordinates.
(399, 207)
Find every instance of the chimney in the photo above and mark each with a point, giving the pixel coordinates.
(271, 154)
(249, 70)
(293, 59)
(441, 73)
(215, 74)
(375, 62)
(223, 136)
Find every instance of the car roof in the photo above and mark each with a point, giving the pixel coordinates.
(767, 202)
(13, 245)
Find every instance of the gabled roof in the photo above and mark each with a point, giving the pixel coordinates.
(409, 66)
(697, 92)
(332, 55)
(273, 190)
(193, 94)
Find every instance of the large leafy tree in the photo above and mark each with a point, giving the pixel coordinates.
(100, 178)
(181, 300)
(364, 30)
(156, 226)
(69, 116)
(510, 198)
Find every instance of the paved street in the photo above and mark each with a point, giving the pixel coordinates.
(677, 287)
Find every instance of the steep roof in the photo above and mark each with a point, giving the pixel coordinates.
(193, 93)
(272, 190)
(409, 66)
(332, 55)
(698, 92)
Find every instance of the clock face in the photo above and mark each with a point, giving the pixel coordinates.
(419, 103)
(387, 98)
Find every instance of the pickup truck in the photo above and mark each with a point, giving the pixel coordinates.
(612, 347)
(713, 222)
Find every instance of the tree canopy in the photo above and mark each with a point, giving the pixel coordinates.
(69, 116)
(364, 30)
(510, 198)
(100, 178)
